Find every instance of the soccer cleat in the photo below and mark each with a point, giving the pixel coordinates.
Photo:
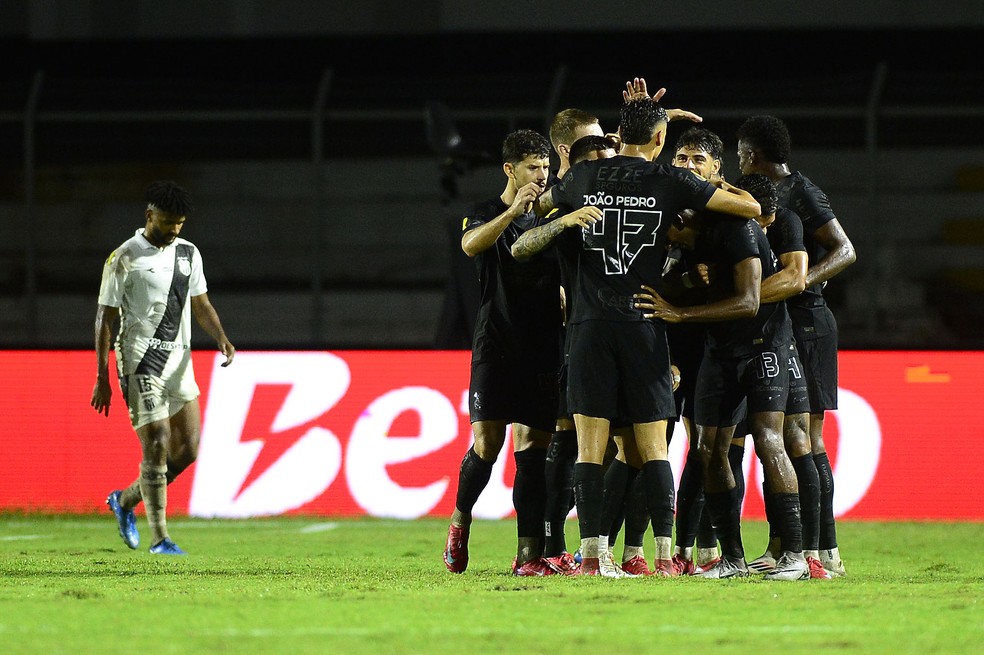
(456, 549)
(763, 563)
(726, 568)
(833, 563)
(609, 569)
(588, 566)
(125, 519)
(789, 568)
(817, 572)
(664, 568)
(534, 567)
(563, 563)
(637, 566)
(709, 564)
(683, 566)
(835, 568)
(167, 547)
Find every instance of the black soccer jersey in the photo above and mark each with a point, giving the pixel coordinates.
(519, 315)
(627, 248)
(809, 202)
(724, 242)
(786, 233)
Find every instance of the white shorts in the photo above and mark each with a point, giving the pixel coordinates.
(150, 398)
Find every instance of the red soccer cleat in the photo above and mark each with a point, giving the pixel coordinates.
(817, 572)
(637, 566)
(664, 568)
(683, 566)
(456, 549)
(563, 563)
(535, 567)
(589, 566)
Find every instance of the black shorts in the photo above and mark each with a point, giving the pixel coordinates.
(728, 388)
(620, 371)
(819, 360)
(798, 401)
(499, 391)
(686, 350)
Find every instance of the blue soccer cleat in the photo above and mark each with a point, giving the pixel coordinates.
(126, 520)
(167, 547)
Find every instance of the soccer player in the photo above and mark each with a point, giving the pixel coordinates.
(785, 235)
(700, 151)
(616, 216)
(153, 283)
(515, 356)
(744, 366)
(567, 128)
(764, 147)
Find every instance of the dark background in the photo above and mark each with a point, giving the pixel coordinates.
(885, 104)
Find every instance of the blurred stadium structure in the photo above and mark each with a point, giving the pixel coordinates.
(329, 145)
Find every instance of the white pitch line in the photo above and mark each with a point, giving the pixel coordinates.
(20, 537)
(318, 527)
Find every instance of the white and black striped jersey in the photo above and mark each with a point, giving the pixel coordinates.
(152, 287)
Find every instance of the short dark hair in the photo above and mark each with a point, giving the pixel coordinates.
(589, 143)
(566, 122)
(521, 144)
(168, 197)
(769, 135)
(638, 120)
(762, 189)
(701, 138)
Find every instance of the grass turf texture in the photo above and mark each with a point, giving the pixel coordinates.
(313, 585)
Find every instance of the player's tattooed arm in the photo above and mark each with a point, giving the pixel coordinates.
(539, 238)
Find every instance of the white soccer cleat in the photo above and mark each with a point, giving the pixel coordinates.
(725, 568)
(790, 567)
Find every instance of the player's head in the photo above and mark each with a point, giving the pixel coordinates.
(168, 206)
(168, 197)
(591, 147)
(526, 157)
(762, 140)
(640, 121)
(568, 126)
(764, 191)
(699, 150)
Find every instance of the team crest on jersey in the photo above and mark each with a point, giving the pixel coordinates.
(184, 266)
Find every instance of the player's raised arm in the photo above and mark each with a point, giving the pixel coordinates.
(729, 199)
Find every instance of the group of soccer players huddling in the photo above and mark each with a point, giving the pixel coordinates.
(683, 298)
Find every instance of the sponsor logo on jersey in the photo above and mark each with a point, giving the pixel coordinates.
(154, 342)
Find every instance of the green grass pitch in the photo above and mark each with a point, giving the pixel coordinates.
(304, 584)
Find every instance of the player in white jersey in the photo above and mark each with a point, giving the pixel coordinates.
(153, 283)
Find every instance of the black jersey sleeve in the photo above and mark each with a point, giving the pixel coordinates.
(786, 233)
(695, 191)
(810, 203)
(739, 240)
(480, 214)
